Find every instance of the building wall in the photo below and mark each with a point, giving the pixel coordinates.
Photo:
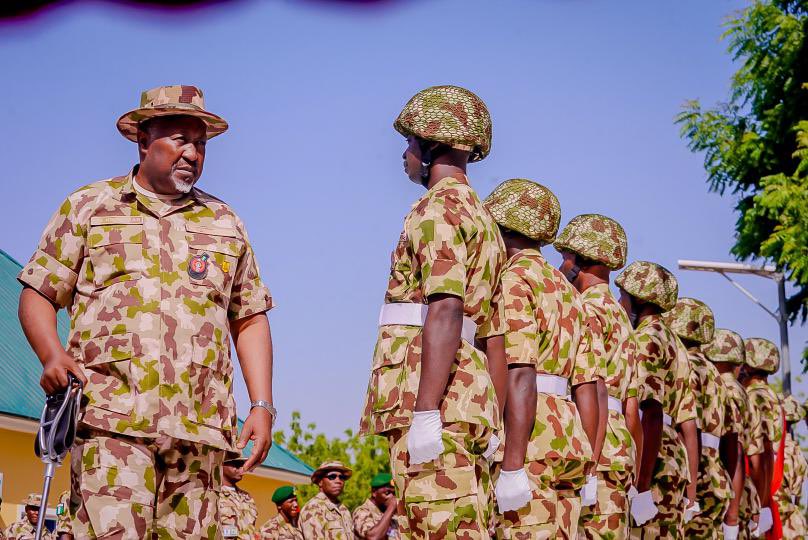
(261, 490)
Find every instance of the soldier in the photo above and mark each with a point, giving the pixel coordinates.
(795, 472)
(324, 517)
(375, 518)
(284, 526)
(685, 421)
(548, 349)
(647, 291)
(592, 246)
(25, 527)
(727, 352)
(693, 321)
(439, 353)
(157, 277)
(237, 511)
(763, 359)
(64, 528)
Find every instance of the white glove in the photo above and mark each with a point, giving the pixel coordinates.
(493, 444)
(512, 490)
(692, 509)
(589, 493)
(424, 441)
(631, 493)
(643, 508)
(730, 531)
(765, 522)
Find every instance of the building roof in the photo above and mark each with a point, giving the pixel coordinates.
(20, 393)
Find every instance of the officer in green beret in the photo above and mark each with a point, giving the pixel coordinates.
(375, 518)
(284, 525)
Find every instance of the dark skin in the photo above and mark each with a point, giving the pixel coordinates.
(520, 411)
(735, 468)
(172, 154)
(32, 513)
(494, 349)
(385, 500)
(690, 435)
(231, 474)
(332, 487)
(290, 509)
(761, 466)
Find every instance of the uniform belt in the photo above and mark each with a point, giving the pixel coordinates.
(552, 384)
(615, 404)
(666, 419)
(410, 314)
(709, 440)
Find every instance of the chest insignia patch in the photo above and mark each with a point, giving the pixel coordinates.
(198, 266)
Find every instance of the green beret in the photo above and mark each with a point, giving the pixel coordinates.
(283, 493)
(381, 480)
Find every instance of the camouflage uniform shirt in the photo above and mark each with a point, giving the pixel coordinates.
(237, 513)
(322, 519)
(278, 528)
(741, 418)
(151, 334)
(710, 392)
(366, 516)
(23, 530)
(765, 400)
(450, 245)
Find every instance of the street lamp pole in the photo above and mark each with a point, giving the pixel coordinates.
(781, 316)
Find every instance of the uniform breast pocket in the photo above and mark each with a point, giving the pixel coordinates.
(115, 246)
(213, 254)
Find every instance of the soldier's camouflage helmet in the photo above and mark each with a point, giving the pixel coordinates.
(649, 282)
(525, 207)
(33, 499)
(450, 115)
(692, 319)
(595, 237)
(792, 409)
(762, 354)
(726, 346)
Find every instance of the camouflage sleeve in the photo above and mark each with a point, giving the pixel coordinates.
(495, 325)
(522, 328)
(685, 378)
(753, 428)
(733, 420)
(589, 360)
(652, 367)
(363, 521)
(688, 406)
(439, 249)
(248, 295)
(54, 268)
(630, 353)
(768, 415)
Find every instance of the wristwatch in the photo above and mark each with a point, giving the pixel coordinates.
(265, 405)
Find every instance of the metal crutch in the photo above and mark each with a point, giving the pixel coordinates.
(57, 431)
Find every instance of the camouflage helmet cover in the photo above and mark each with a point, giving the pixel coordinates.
(726, 346)
(33, 499)
(525, 207)
(792, 409)
(450, 115)
(597, 238)
(692, 319)
(651, 283)
(762, 354)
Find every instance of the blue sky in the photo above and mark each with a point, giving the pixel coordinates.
(582, 94)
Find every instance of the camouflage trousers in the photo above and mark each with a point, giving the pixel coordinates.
(448, 498)
(555, 508)
(669, 496)
(714, 491)
(793, 519)
(131, 488)
(748, 508)
(608, 518)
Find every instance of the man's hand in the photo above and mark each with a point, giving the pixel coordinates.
(54, 372)
(258, 429)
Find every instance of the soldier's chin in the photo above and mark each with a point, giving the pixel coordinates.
(183, 186)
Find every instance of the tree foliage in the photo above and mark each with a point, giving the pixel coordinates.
(366, 456)
(755, 144)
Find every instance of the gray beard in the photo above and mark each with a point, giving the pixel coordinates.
(182, 187)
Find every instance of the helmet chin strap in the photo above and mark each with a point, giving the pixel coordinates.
(426, 161)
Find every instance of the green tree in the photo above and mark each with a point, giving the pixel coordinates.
(366, 456)
(755, 144)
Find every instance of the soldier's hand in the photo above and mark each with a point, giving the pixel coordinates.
(54, 372)
(392, 501)
(258, 429)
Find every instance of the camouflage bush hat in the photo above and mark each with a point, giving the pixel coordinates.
(450, 115)
(597, 238)
(726, 346)
(762, 354)
(327, 467)
(792, 409)
(33, 499)
(525, 207)
(651, 283)
(176, 100)
(692, 319)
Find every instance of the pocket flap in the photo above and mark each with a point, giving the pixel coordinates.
(230, 232)
(441, 484)
(116, 220)
(391, 347)
(226, 241)
(105, 349)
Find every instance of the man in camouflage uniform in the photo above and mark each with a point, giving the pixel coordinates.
(64, 526)
(763, 359)
(592, 246)
(374, 519)
(284, 526)
(727, 352)
(237, 511)
(795, 472)
(549, 350)
(693, 321)
(25, 527)
(324, 517)
(157, 276)
(647, 291)
(431, 392)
